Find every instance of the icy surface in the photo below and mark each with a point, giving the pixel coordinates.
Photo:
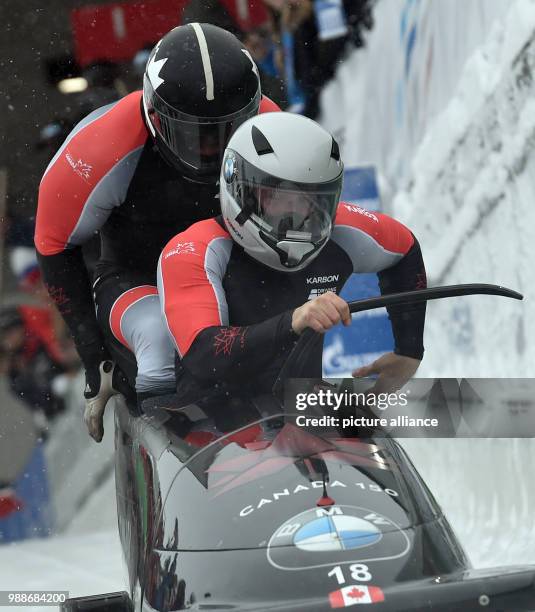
(82, 565)
(485, 491)
(84, 561)
(470, 204)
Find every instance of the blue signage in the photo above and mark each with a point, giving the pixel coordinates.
(31, 517)
(370, 335)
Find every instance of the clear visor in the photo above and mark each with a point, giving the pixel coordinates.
(283, 210)
(286, 213)
(198, 142)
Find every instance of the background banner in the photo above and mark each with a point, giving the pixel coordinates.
(370, 335)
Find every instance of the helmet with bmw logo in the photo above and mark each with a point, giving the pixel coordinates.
(280, 186)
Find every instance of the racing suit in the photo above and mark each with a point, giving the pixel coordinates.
(108, 177)
(231, 317)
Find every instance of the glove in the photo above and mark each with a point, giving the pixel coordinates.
(98, 391)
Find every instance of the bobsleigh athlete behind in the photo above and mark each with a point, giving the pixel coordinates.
(238, 290)
(138, 171)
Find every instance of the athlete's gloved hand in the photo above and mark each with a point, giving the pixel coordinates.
(98, 391)
(321, 313)
(393, 371)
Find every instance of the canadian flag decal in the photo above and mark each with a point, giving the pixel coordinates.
(355, 594)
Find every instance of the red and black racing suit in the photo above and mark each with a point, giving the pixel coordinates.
(108, 177)
(230, 317)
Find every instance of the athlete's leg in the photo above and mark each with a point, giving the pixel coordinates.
(128, 310)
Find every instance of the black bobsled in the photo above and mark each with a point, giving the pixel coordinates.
(227, 504)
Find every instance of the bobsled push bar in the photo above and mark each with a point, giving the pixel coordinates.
(290, 368)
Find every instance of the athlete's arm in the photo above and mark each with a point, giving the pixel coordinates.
(378, 243)
(407, 320)
(87, 177)
(190, 283)
(68, 284)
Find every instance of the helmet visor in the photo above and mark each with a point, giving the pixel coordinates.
(290, 213)
(198, 142)
(285, 212)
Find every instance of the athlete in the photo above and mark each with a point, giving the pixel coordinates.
(239, 289)
(138, 171)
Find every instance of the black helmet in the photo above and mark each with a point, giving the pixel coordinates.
(200, 84)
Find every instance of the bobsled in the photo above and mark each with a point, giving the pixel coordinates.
(227, 503)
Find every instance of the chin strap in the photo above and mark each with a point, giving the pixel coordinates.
(294, 252)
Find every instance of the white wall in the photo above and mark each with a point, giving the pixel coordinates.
(77, 466)
(457, 163)
(384, 97)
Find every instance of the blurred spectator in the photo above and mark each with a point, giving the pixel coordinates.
(23, 264)
(34, 361)
(315, 34)
(210, 11)
(9, 502)
(250, 22)
(296, 44)
(260, 42)
(19, 244)
(25, 269)
(35, 347)
(139, 63)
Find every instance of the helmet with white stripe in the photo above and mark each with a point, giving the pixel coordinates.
(279, 189)
(200, 84)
